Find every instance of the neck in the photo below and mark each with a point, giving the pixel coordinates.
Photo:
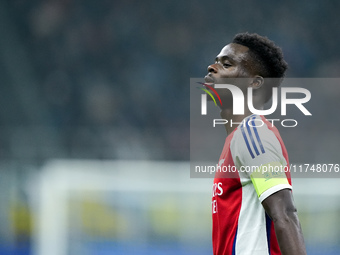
(227, 114)
(235, 120)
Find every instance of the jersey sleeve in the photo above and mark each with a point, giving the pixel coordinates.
(258, 156)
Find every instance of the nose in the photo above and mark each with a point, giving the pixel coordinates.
(212, 69)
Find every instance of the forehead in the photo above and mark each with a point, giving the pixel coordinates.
(234, 51)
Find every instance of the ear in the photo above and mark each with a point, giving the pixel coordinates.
(257, 82)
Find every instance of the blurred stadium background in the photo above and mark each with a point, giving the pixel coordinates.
(94, 141)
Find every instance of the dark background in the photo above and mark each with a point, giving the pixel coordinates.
(85, 79)
(110, 79)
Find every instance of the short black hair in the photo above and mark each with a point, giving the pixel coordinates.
(268, 58)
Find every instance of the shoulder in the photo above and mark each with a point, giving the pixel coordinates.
(256, 138)
(254, 133)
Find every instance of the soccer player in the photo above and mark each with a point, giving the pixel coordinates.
(253, 211)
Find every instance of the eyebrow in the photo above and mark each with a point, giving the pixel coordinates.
(223, 58)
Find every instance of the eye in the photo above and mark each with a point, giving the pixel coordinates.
(226, 65)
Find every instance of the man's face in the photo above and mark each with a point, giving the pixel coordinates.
(231, 64)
